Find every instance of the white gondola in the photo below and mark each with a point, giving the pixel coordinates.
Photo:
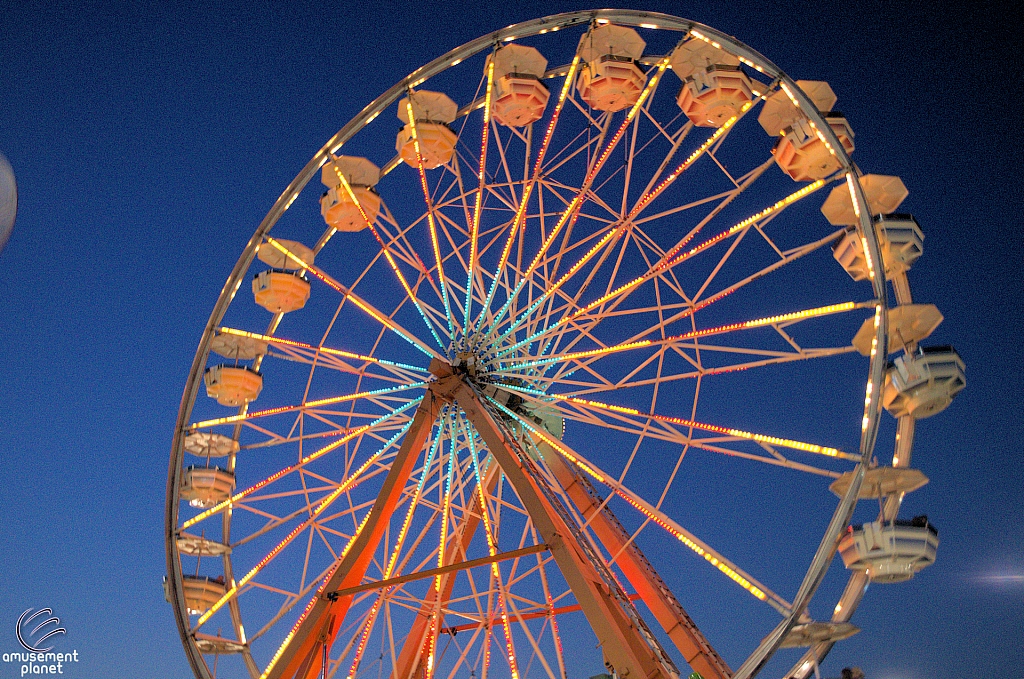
(236, 347)
(611, 78)
(344, 210)
(908, 324)
(202, 592)
(280, 291)
(217, 645)
(433, 112)
(195, 545)
(884, 194)
(276, 258)
(810, 633)
(206, 486)
(714, 89)
(901, 240)
(779, 111)
(233, 385)
(206, 444)
(923, 383)
(519, 96)
(890, 552)
(881, 482)
(802, 152)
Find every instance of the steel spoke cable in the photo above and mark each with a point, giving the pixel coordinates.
(399, 542)
(736, 574)
(671, 259)
(387, 252)
(358, 431)
(389, 323)
(321, 506)
(431, 223)
(816, 312)
(308, 404)
(528, 189)
(482, 176)
(571, 212)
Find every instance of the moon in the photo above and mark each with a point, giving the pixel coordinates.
(8, 201)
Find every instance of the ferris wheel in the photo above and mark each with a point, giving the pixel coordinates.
(564, 378)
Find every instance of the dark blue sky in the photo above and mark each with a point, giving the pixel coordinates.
(149, 139)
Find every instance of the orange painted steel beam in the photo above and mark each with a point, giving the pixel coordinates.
(443, 570)
(301, 656)
(681, 629)
(630, 650)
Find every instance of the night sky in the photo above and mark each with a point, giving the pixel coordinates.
(149, 140)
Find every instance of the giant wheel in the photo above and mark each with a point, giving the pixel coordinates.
(563, 383)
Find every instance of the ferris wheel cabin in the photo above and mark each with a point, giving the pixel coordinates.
(206, 444)
(233, 385)
(890, 551)
(206, 486)
(519, 95)
(351, 203)
(433, 113)
(714, 89)
(924, 383)
(612, 79)
(202, 592)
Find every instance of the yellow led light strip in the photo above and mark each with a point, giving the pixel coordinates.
(387, 252)
(351, 434)
(323, 350)
(348, 294)
(230, 419)
(869, 390)
(521, 212)
(482, 180)
(690, 160)
(492, 548)
(430, 212)
(671, 259)
(389, 569)
(323, 504)
(571, 212)
(745, 325)
(715, 559)
(739, 433)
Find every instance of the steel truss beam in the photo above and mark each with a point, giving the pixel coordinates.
(629, 647)
(669, 613)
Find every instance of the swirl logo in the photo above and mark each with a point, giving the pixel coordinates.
(33, 632)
